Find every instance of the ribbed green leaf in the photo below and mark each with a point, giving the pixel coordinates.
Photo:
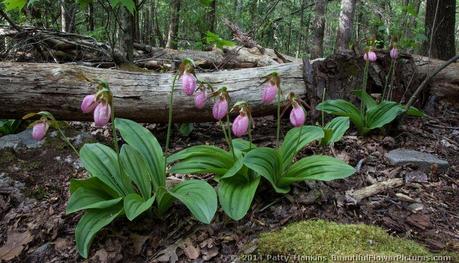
(201, 159)
(243, 145)
(92, 222)
(87, 198)
(267, 163)
(164, 200)
(143, 141)
(101, 162)
(296, 139)
(415, 112)
(199, 197)
(236, 195)
(317, 167)
(91, 183)
(134, 205)
(383, 114)
(366, 99)
(335, 129)
(343, 108)
(136, 168)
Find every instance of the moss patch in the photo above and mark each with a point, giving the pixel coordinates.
(327, 239)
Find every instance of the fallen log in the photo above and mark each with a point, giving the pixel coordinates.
(59, 88)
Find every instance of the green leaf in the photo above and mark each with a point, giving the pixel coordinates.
(136, 168)
(237, 166)
(143, 141)
(14, 4)
(128, 4)
(134, 205)
(201, 159)
(296, 139)
(91, 223)
(366, 99)
(87, 198)
(236, 195)
(199, 197)
(101, 162)
(243, 145)
(415, 112)
(383, 114)
(343, 108)
(164, 201)
(267, 163)
(317, 167)
(91, 183)
(185, 129)
(335, 129)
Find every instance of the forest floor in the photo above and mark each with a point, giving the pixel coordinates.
(34, 193)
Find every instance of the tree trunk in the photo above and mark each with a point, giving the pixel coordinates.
(317, 49)
(137, 96)
(127, 35)
(346, 18)
(440, 22)
(91, 22)
(173, 25)
(67, 16)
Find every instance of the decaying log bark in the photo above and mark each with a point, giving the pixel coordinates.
(63, 47)
(446, 82)
(59, 88)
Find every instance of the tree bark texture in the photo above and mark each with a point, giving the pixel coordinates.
(317, 48)
(346, 18)
(173, 25)
(143, 96)
(440, 29)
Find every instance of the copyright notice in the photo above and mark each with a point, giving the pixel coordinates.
(342, 258)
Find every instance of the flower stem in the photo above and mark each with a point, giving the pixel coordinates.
(299, 138)
(169, 123)
(115, 136)
(250, 133)
(391, 86)
(322, 112)
(386, 85)
(364, 86)
(66, 140)
(229, 136)
(224, 133)
(278, 117)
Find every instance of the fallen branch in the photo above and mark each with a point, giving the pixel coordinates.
(356, 196)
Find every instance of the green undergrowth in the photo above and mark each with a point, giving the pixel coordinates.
(327, 241)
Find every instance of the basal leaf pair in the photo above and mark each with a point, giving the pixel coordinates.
(129, 183)
(374, 115)
(238, 178)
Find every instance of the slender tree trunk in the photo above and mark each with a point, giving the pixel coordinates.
(346, 18)
(440, 29)
(67, 16)
(317, 49)
(90, 19)
(173, 24)
(127, 36)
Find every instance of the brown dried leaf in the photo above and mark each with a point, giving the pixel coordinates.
(15, 244)
(190, 250)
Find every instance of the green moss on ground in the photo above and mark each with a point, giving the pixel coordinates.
(322, 238)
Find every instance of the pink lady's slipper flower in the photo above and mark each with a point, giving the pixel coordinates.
(269, 93)
(370, 56)
(200, 99)
(39, 130)
(220, 108)
(188, 83)
(102, 114)
(297, 115)
(240, 125)
(394, 53)
(89, 103)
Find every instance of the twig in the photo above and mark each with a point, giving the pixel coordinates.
(427, 80)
